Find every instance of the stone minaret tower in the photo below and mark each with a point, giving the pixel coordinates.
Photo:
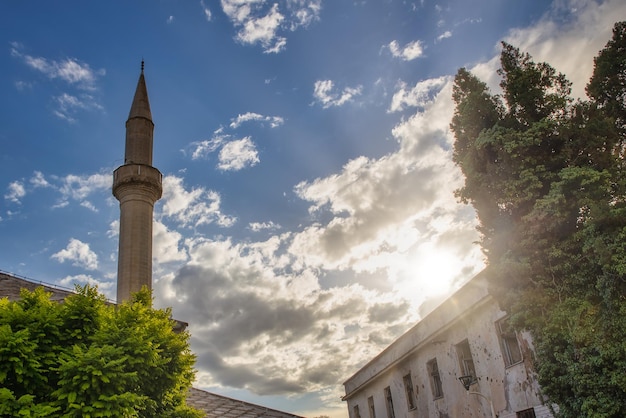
(137, 185)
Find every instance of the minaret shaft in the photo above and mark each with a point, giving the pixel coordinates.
(137, 185)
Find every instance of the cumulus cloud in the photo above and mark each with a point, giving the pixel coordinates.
(263, 24)
(252, 322)
(408, 52)
(323, 93)
(79, 254)
(554, 42)
(232, 154)
(192, 208)
(79, 187)
(39, 180)
(260, 226)
(274, 121)
(202, 149)
(15, 192)
(106, 287)
(70, 188)
(418, 96)
(383, 209)
(166, 244)
(238, 154)
(274, 317)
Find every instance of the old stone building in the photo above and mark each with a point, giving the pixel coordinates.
(466, 337)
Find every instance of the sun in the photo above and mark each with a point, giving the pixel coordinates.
(429, 271)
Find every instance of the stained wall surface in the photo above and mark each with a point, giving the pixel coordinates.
(470, 316)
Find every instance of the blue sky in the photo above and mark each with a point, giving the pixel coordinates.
(308, 216)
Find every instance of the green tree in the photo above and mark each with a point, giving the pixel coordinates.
(86, 358)
(546, 176)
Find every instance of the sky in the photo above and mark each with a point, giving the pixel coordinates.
(308, 216)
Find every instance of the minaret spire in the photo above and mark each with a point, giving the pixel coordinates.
(137, 185)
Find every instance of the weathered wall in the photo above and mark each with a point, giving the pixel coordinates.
(471, 314)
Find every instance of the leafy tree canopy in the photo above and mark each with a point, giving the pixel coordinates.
(86, 358)
(546, 175)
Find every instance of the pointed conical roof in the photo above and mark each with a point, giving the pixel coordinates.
(141, 105)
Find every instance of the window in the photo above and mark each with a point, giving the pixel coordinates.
(508, 341)
(526, 413)
(408, 388)
(465, 359)
(370, 405)
(389, 403)
(357, 413)
(435, 379)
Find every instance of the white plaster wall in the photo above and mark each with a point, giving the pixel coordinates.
(510, 388)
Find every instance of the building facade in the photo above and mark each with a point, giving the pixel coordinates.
(466, 336)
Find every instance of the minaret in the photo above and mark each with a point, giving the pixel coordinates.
(137, 185)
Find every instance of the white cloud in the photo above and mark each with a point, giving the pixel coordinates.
(206, 11)
(252, 322)
(80, 187)
(68, 105)
(104, 287)
(74, 73)
(234, 154)
(260, 23)
(38, 180)
(70, 70)
(114, 229)
(238, 154)
(79, 254)
(418, 96)
(384, 209)
(274, 121)
(170, 19)
(166, 245)
(304, 12)
(15, 192)
(324, 94)
(409, 52)
(202, 149)
(263, 30)
(195, 208)
(87, 204)
(447, 34)
(553, 43)
(260, 226)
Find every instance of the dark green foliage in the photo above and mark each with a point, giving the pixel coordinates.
(546, 176)
(84, 358)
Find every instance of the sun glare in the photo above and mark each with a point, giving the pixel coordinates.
(429, 272)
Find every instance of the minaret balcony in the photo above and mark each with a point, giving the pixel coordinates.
(137, 179)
